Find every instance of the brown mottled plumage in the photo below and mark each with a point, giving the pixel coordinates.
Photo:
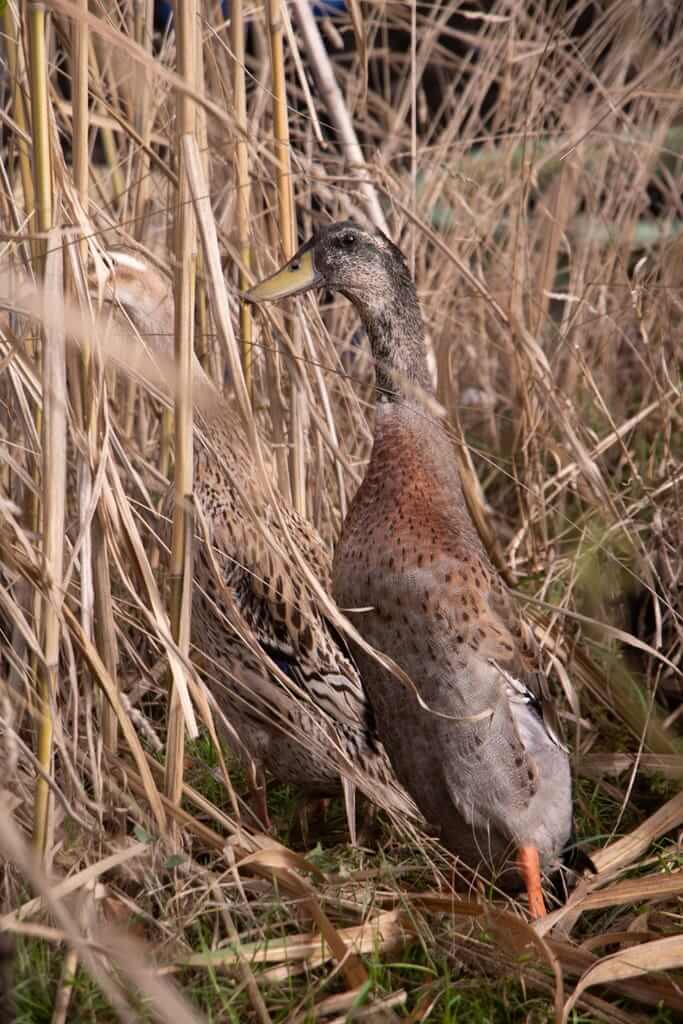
(482, 763)
(316, 724)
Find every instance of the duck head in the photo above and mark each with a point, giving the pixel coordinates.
(368, 269)
(364, 265)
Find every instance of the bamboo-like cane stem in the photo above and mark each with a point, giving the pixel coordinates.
(53, 505)
(42, 173)
(15, 68)
(243, 186)
(80, 38)
(186, 263)
(297, 433)
(204, 351)
(144, 18)
(42, 167)
(98, 569)
(281, 129)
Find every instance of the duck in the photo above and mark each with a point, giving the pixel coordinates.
(290, 695)
(474, 741)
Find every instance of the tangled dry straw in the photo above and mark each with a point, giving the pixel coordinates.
(528, 158)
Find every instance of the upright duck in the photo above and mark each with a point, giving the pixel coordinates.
(249, 605)
(476, 753)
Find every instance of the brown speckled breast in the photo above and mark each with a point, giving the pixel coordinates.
(480, 767)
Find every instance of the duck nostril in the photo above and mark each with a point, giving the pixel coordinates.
(295, 265)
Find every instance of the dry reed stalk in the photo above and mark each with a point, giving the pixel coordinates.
(288, 238)
(239, 92)
(413, 120)
(97, 606)
(42, 164)
(205, 351)
(293, 44)
(166, 443)
(97, 617)
(286, 220)
(98, 90)
(216, 281)
(180, 568)
(66, 985)
(130, 49)
(105, 628)
(46, 611)
(326, 81)
(275, 390)
(16, 72)
(143, 13)
(53, 509)
(108, 138)
(80, 39)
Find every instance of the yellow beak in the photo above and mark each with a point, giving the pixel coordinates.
(295, 277)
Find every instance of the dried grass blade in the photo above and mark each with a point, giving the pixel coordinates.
(112, 694)
(285, 197)
(74, 883)
(633, 890)
(160, 618)
(80, 121)
(211, 839)
(650, 957)
(323, 72)
(361, 44)
(379, 932)
(132, 957)
(650, 990)
(445, 904)
(140, 56)
(618, 855)
(301, 75)
(14, 849)
(215, 280)
(516, 935)
(283, 864)
(16, 616)
(597, 765)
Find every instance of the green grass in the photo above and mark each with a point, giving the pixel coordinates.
(429, 969)
(38, 971)
(456, 996)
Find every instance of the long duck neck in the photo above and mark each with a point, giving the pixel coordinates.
(397, 339)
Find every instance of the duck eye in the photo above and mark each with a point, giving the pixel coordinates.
(347, 241)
